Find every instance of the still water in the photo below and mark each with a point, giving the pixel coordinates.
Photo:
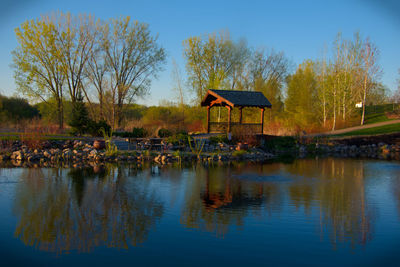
(307, 212)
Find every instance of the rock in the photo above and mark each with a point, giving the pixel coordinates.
(17, 155)
(99, 144)
(33, 157)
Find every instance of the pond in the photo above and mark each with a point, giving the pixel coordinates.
(306, 212)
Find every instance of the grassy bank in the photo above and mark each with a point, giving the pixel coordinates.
(386, 129)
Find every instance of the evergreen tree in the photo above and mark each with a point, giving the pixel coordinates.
(80, 120)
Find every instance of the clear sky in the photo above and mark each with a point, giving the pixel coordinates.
(300, 29)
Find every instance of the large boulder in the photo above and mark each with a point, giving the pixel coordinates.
(17, 155)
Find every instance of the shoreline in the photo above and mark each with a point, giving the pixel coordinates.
(78, 153)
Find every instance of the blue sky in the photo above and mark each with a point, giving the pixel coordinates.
(300, 29)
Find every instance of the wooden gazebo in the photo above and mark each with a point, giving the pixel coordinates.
(234, 99)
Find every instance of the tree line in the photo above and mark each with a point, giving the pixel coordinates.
(109, 64)
(61, 56)
(324, 91)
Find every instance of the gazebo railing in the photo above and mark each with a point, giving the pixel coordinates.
(222, 127)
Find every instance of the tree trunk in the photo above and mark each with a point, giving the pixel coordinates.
(364, 100)
(324, 104)
(344, 106)
(334, 111)
(60, 114)
(101, 107)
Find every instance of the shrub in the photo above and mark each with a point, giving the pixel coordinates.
(180, 138)
(33, 140)
(123, 134)
(281, 143)
(219, 139)
(238, 153)
(95, 128)
(164, 133)
(139, 132)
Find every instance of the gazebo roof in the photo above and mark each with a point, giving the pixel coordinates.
(235, 98)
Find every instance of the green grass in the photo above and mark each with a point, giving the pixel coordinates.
(374, 118)
(377, 113)
(386, 129)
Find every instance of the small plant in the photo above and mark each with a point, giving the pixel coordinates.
(111, 148)
(198, 146)
(219, 139)
(32, 140)
(238, 153)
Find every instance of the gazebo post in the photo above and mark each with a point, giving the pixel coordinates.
(229, 118)
(208, 119)
(262, 120)
(240, 115)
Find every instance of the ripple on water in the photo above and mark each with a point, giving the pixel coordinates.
(263, 178)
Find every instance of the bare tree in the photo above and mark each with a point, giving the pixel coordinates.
(370, 71)
(268, 72)
(133, 57)
(96, 71)
(76, 38)
(178, 86)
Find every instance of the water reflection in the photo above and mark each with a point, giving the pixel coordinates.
(220, 197)
(78, 209)
(337, 187)
(216, 199)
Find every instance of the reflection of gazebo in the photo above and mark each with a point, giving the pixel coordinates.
(231, 99)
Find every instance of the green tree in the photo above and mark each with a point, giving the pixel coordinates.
(37, 68)
(80, 120)
(209, 62)
(302, 95)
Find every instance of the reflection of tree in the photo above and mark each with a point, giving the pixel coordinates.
(337, 186)
(395, 176)
(79, 210)
(222, 196)
(215, 200)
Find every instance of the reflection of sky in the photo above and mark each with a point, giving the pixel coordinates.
(381, 182)
(284, 234)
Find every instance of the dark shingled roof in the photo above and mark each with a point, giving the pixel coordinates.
(237, 98)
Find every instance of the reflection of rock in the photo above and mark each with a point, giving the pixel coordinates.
(111, 211)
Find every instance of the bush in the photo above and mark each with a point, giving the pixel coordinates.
(122, 134)
(138, 132)
(164, 133)
(219, 139)
(180, 138)
(239, 153)
(94, 128)
(281, 143)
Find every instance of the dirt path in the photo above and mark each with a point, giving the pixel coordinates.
(367, 126)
